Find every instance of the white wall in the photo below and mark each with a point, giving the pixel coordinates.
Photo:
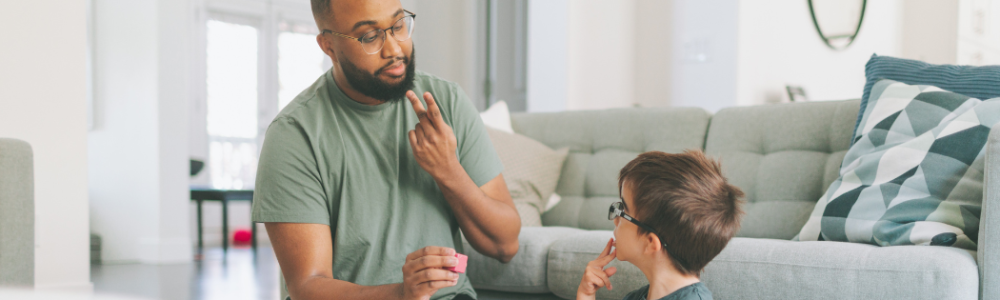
(778, 45)
(601, 54)
(704, 53)
(548, 45)
(444, 40)
(139, 146)
(930, 31)
(654, 52)
(43, 101)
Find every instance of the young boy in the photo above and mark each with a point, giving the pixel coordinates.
(677, 213)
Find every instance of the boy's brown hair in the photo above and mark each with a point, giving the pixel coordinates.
(685, 198)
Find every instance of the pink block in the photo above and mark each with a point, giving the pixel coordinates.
(463, 261)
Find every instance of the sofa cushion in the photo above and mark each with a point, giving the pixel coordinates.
(568, 257)
(914, 175)
(531, 171)
(600, 144)
(775, 269)
(783, 157)
(981, 82)
(526, 272)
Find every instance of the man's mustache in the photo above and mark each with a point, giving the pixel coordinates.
(403, 59)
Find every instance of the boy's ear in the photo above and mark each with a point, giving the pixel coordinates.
(653, 244)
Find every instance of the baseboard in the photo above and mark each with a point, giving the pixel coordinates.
(165, 251)
(79, 287)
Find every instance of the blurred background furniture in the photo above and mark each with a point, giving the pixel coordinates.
(17, 214)
(200, 195)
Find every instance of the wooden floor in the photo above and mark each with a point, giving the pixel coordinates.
(240, 275)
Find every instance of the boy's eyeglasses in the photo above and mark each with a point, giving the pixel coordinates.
(617, 209)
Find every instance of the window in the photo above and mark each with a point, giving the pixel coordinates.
(254, 58)
(231, 88)
(300, 62)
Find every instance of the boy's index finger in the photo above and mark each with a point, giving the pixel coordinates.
(604, 260)
(607, 248)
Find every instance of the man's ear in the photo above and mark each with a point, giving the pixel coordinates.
(326, 45)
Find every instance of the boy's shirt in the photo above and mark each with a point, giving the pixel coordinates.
(696, 291)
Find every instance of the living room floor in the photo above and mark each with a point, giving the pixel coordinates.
(239, 275)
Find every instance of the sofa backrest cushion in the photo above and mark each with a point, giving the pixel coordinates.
(17, 214)
(783, 157)
(600, 144)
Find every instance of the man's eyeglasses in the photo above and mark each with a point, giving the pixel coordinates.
(373, 41)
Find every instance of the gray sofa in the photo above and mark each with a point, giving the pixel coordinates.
(17, 214)
(783, 157)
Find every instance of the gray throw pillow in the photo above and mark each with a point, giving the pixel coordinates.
(531, 171)
(914, 175)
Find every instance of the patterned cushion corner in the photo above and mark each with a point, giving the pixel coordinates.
(914, 174)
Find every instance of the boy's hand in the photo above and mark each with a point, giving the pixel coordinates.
(595, 276)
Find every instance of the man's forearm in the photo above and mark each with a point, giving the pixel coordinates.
(491, 226)
(329, 288)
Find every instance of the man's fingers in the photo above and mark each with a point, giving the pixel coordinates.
(431, 275)
(417, 106)
(432, 262)
(419, 132)
(440, 284)
(413, 139)
(431, 250)
(434, 110)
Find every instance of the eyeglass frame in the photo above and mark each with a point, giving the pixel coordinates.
(377, 31)
(614, 212)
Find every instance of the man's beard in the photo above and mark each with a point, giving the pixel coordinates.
(370, 85)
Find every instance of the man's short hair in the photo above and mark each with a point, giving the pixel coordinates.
(321, 10)
(689, 203)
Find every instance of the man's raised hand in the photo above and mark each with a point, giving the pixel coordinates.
(432, 140)
(424, 273)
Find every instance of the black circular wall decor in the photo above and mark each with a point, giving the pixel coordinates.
(837, 21)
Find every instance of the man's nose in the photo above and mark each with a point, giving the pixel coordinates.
(392, 48)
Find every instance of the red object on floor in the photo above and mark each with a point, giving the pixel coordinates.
(241, 237)
(463, 262)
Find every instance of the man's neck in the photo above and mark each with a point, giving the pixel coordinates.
(344, 86)
(664, 279)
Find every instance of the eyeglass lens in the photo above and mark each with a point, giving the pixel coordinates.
(373, 41)
(614, 210)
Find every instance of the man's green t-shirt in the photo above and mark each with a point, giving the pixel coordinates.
(327, 159)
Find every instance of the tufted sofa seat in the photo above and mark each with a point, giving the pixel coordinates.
(782, 156)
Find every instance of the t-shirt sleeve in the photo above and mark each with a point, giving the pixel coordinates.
(288, 186)
(475, 150)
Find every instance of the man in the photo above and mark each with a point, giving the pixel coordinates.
(362, 193)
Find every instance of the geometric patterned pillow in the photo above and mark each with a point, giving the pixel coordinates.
(914, 175)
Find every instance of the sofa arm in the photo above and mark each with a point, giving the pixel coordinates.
(17, 214)
(988, 255)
